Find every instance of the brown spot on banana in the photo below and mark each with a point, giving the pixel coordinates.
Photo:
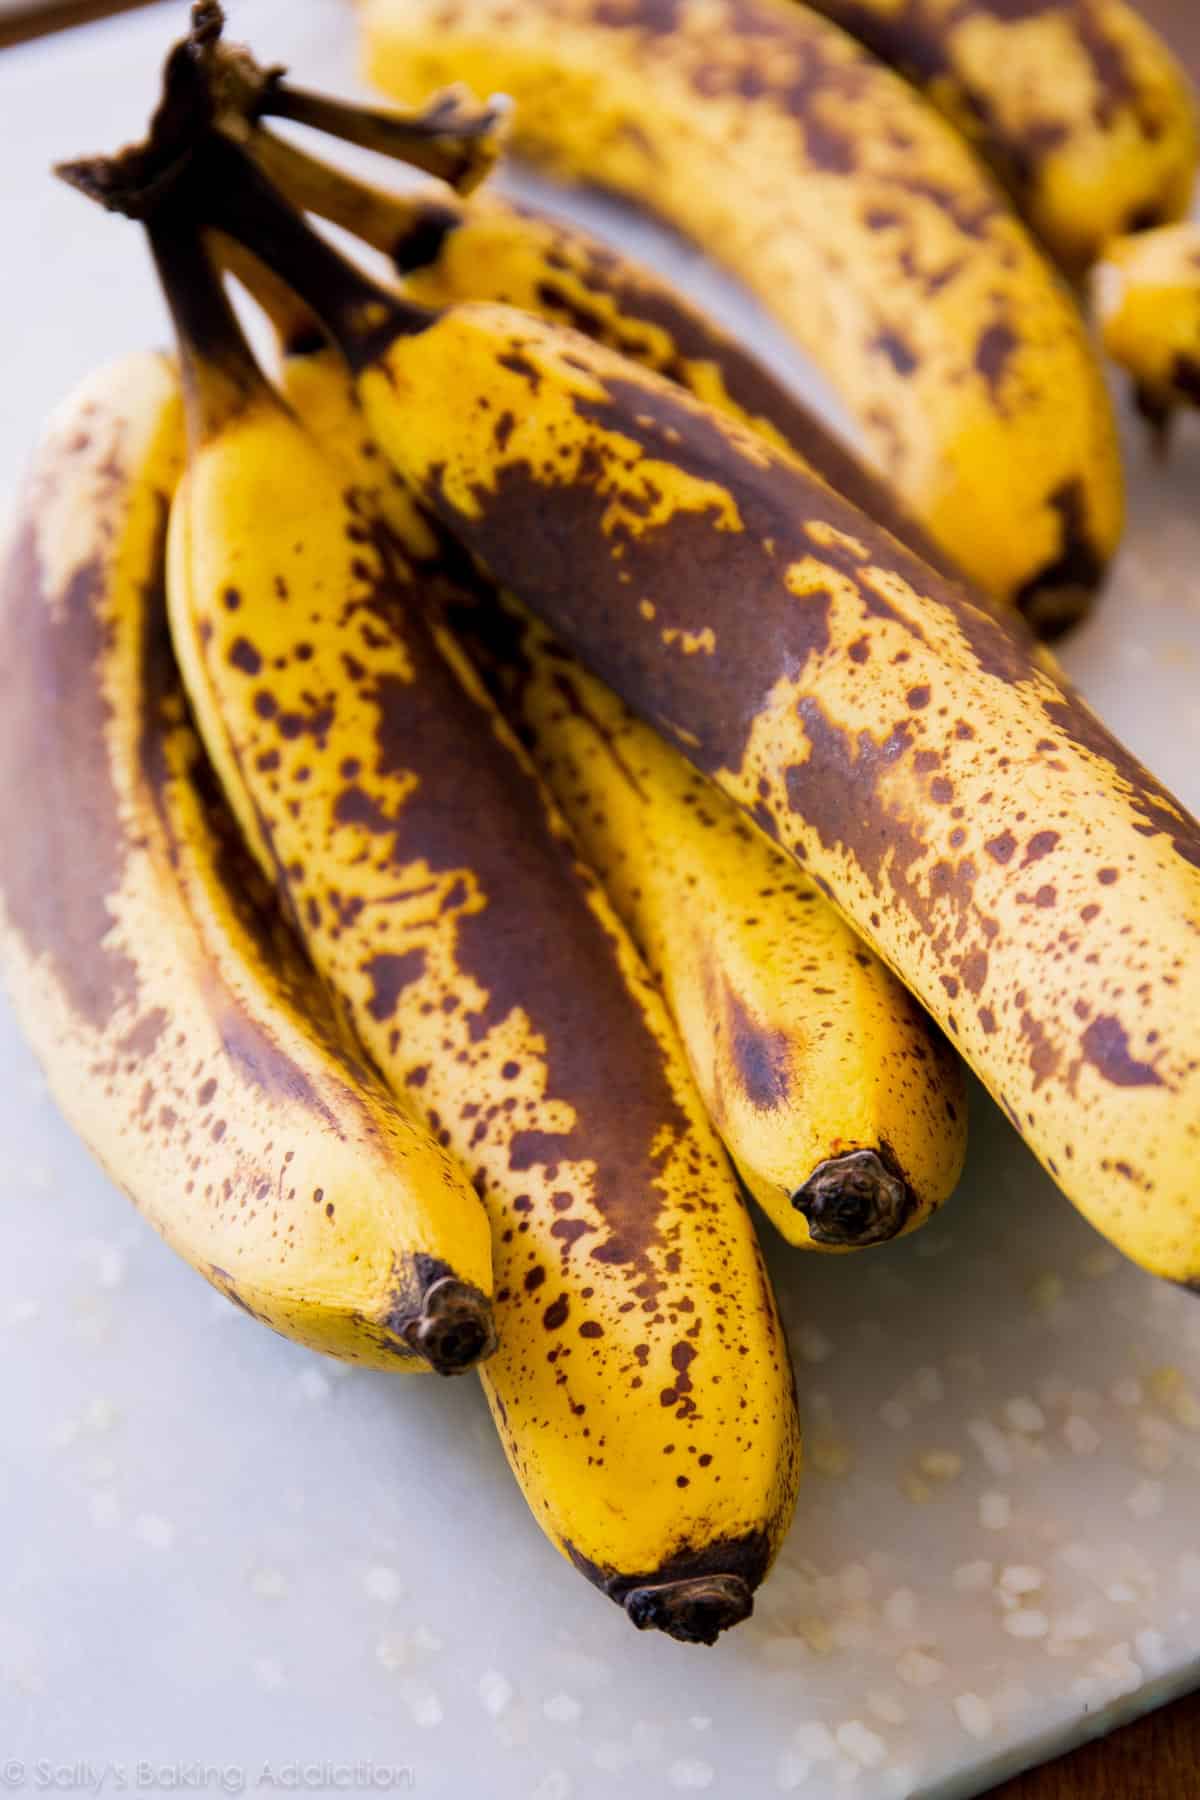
(797, 161)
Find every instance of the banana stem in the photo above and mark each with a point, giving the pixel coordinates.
(452, 136)
(296, 329)
(220, 374)
(409, 228)
(449, 138)
(226, 191)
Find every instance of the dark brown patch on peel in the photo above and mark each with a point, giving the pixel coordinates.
(534, 947)
(60, 822)
(997, 346)
(389, 976)
(1105, 1045)
(1057, 596)
(684, 548)
(760, 1055)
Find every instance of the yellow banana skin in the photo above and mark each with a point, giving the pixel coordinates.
(1078, 105)
(1146, 296)
(857, 217)
(844, 1113)
(641, 1387)
(184, 1038)
(1026, 878)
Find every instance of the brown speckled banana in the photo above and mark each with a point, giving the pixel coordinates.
(1146, 295)
(1032, 884)
(857, 217)
(1078, 105)
(844, 1112)
(641, 1387)
(183, 1035)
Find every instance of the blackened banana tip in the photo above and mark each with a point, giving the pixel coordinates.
(854, 1200)
(454, 1329)
(695, 1610)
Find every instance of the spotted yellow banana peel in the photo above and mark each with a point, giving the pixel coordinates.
(1079, 106)
(1146, 296)
(860, 220)
(843, 1111)
(641, 1386)
(183, 1035)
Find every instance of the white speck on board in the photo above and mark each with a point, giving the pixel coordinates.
(554, 1785)
(1024, 1414)
(562, 1709)
(1027, 1622)
(424, 1705)
(887, 1708)
(104, 1510)
(974, 1715)
(992, 1445)
(155, 1531)
(814, 1740)
(268, 1673)
(792, 1771)
(382, 1583)
(919, 1668)
(995, 1511)
(1021, 1578)
(861, 1744)
(1081, 1435)
(1146, 1500)
(900, 1609)
(495, 1692)
(689, 1775)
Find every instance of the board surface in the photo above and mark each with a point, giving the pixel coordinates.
(224, 1553)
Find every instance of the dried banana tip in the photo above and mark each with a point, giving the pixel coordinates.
(695, 1610)
(453, 1330)
(854, 1200)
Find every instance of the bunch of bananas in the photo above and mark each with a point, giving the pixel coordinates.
(492, 790)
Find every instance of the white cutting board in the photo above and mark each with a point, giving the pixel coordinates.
(221, 1550)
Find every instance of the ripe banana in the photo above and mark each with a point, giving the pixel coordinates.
(1029, 881)
(844, 1112)
(857, 217)
(1146, 295)
(1078, 105)
(641, 1387)
(182, 1033)
(496, 250)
